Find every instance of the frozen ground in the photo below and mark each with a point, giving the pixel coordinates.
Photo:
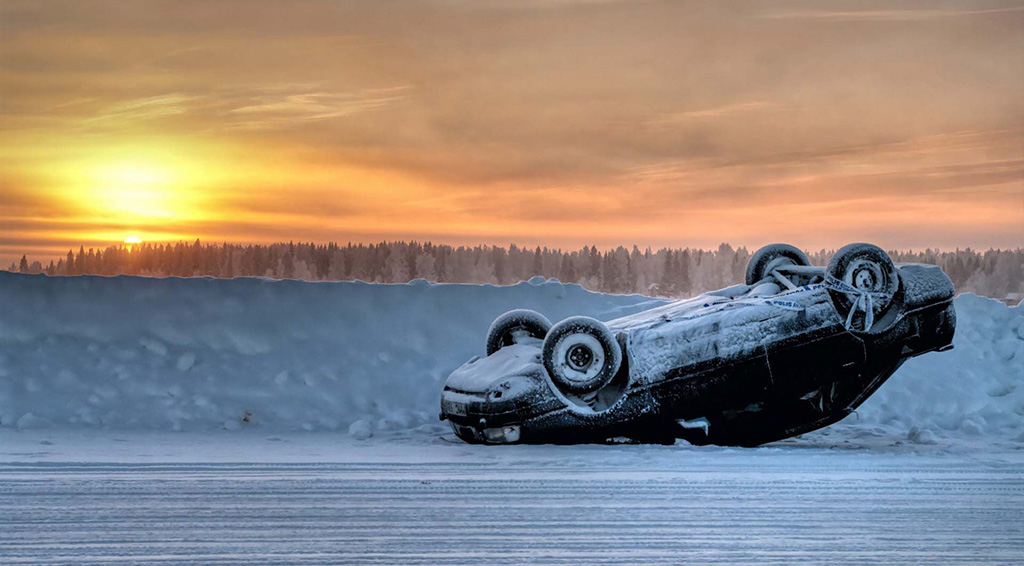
(101, 497)
(256, 422)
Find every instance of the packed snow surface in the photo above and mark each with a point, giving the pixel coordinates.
(99, 497)
(131, 353)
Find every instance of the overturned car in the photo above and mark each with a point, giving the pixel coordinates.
(796, 348)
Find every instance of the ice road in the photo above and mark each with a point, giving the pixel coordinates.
(240, 498)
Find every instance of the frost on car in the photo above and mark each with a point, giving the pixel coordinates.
(796, 348)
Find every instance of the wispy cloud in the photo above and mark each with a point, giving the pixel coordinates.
(148, 108)
(931, 167)
(273, 109)
(670, 119)
(888, 15)
(257, 107)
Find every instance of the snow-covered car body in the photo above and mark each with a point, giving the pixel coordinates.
(741, 366)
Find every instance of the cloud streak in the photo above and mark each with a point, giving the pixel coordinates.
(905, 15)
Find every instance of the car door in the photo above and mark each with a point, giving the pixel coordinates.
(804, 364)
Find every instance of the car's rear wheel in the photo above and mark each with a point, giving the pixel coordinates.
(862, 276)
(770, 258)
(581, 355)
(515, 325)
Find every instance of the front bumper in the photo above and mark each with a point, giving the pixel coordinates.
(475, 418)
(508, 434)
(469, 409)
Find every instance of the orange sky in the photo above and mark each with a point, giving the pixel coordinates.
(557, 122)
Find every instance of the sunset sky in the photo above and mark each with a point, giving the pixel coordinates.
(552, 122)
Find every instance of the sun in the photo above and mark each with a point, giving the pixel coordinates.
(131, 242)
(139, 186)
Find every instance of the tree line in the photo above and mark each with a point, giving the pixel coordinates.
(668, 272)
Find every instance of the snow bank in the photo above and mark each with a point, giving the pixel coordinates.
(975, 389)
(191, 354)
(198, 354)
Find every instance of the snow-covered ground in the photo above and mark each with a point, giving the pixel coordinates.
(256, 422)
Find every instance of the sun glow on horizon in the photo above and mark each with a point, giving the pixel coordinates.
(146, 187)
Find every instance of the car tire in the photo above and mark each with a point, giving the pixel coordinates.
(581, 355)
(772, 256)
(865, 267)
(510, 327)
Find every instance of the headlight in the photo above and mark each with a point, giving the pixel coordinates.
(506, 434)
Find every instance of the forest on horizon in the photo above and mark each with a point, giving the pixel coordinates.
(667, 272)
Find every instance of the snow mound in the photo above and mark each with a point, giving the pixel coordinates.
(973, 390)
(200, 354)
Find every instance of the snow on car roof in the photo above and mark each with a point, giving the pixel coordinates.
(712, 326)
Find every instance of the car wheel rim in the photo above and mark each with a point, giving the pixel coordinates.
(778, 262)
(516, 335)
(784, 261)
(865, 275)
(579, 357)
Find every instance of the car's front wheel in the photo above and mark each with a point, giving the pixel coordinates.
(581, 355)
(862, 278)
